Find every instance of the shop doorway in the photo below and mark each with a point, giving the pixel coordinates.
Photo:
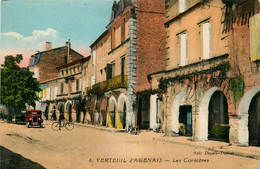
(185, 120)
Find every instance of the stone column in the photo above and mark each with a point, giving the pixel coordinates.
(130, 117)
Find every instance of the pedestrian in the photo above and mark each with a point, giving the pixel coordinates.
(61, 117)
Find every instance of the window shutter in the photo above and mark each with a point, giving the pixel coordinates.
(206, 40)
(183, 50)
(254, 37)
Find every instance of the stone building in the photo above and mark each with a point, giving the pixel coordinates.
(242, 22)
(44, 64)
(205, 91)
(131, 48)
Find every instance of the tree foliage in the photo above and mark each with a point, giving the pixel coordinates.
(18, 86)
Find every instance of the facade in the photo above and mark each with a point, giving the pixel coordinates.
(121, 60)
(66, 92)
(44, 64)
(242, 24)
(205, 91)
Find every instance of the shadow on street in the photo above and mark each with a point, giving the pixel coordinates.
(10, 160)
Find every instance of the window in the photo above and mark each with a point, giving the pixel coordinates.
(109, 71)
(77, 85)
(113, 69)
(206, 40)
(123, 31)
(70, 71)
(254, 26)
(183, 49)
(94, 55)
(61, 88)
(74, 69)
(67, 71)
(62, 72)
(182, 5)
(93, 80)
(123, 66)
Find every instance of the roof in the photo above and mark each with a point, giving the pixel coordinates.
(35, 59)
(48, 80)
(99, 38)
(118, 8)
(34, 111)
(73, 63)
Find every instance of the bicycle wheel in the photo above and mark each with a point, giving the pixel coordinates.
(69, 126)
(55, 126)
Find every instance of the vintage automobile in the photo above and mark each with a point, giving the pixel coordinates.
(34, 118)
(20, 118)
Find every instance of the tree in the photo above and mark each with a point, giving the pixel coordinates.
(18, 87)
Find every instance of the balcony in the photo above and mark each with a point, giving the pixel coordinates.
(111, 84)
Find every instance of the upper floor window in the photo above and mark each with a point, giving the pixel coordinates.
(67, 71)
(94, 57)
(182, 5)
(93, 80)
(77, 85)
(206, 37)
(61, 88)
(123, 31)
(62, 72)
(113, 69)
(182, 48)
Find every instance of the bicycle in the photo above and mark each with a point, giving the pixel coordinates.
(64, 123)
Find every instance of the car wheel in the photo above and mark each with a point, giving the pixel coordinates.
(27, 125)
(41, 125)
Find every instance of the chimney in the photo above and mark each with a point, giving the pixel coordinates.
(68, 44)
(48, 46)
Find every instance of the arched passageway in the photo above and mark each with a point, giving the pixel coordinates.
(249, 118)
(218, 120)
(121, 117)
(112, 112)
(254, 121)
(213, 116)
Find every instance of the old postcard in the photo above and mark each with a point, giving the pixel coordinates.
(130, 84)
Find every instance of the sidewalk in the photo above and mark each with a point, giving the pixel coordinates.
(103, 128)
(214, 146)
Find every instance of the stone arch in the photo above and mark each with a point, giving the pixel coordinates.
(178, 100)
(68, 110)
(121, 116)
(121, 101)
(243, 108)
(52, 110)
(60, 109)
(203, 114)
(112, 108)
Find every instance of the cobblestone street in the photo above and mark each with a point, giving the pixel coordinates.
(91, 148)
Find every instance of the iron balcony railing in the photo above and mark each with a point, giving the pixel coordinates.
(114, 83)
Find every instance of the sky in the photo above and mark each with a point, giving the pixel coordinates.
(27, 24)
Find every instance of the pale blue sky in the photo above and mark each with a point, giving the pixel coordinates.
(27, 24)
